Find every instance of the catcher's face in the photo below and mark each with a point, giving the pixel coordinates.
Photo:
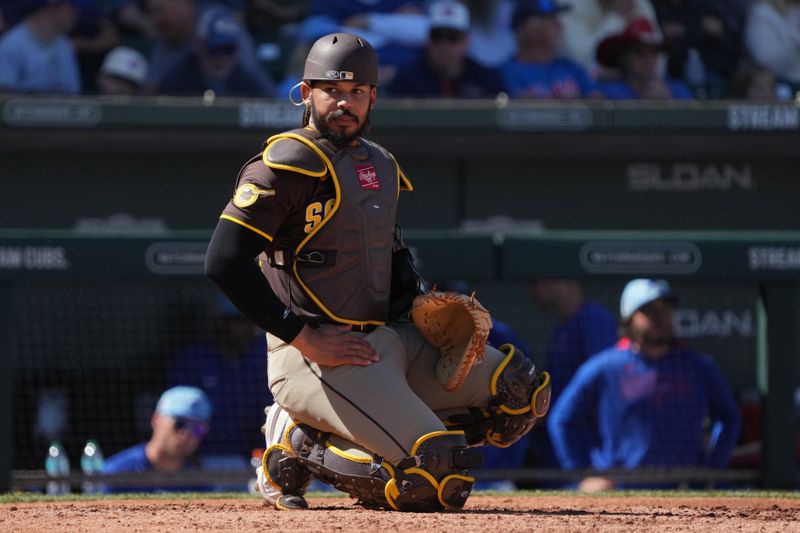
(339, 109)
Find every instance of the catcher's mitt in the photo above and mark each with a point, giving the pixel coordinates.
(458, 326)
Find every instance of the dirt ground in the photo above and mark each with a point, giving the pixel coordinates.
(482, 513)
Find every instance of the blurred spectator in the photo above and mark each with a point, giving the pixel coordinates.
(131, 17)
(269, 15)
(176, 23)
(276, 25)
(12, 13)
(237, 7)
(492, 43)
(712, 27)
(773, 37)
(584, 328)
(635, 54)
(753, 82)
(123, 72)
(36, 56)
(231, 367)
(395, 28)
(180, 422)
(214, 65)
(592, 20)
(537, 71)
(92, 37)
(443, 69)
(4, 25)
(645, 401)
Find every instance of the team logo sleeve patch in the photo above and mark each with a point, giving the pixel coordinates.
(248, 193)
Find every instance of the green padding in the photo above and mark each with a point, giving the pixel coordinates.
(444, 256)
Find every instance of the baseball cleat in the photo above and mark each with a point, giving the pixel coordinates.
(290, 502)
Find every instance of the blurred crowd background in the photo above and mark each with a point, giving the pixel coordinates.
(618, 49)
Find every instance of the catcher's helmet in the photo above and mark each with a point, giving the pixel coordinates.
(342, 57)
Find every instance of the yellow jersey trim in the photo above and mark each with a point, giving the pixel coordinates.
(281, 166)
(403, 183)
(246, 225)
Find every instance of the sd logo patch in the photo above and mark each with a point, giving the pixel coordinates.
(248, 193)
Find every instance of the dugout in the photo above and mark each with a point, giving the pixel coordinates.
(106, 205)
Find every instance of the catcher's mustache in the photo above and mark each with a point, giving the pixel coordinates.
(333, 115)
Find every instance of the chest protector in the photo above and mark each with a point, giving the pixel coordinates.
(342, 270)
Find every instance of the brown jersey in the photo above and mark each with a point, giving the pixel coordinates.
(329, 215)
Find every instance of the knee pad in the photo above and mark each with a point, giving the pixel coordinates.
(435, 476)
(520, 397)
(281, 463)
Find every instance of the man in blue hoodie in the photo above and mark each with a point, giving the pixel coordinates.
(645, 401)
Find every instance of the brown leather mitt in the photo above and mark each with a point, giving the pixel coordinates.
(456, 324)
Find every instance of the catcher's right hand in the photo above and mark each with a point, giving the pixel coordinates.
(458, 326)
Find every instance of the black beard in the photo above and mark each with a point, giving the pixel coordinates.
(327, 133)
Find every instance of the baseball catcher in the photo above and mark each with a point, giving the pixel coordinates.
(382, 389)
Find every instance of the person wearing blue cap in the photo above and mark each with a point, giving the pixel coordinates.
(538, 70)
(214, 64)
(180, 422)
(645, 401)
(36, 56)
(178, 24)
